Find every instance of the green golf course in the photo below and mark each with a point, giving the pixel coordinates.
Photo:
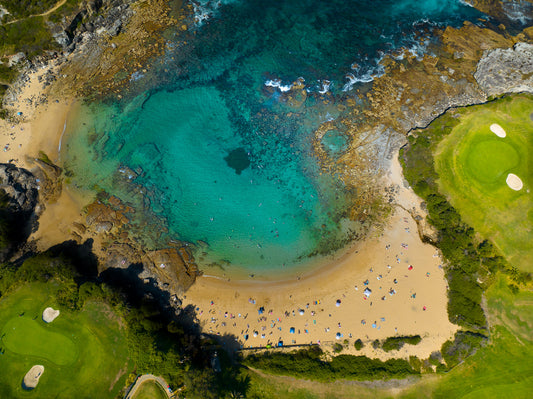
(150, 390)
(473, 163)
(84, 353)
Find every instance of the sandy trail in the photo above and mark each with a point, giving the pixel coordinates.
(51, 10)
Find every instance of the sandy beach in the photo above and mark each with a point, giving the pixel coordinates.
(39, 122)
(407, 296)
(407, 290)
(40, 127)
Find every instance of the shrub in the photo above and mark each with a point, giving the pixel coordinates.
(396, 343)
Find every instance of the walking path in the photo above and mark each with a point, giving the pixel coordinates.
(51, 10)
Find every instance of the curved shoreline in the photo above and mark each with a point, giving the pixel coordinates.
(234, 307)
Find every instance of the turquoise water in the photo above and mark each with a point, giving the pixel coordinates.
(214, 145)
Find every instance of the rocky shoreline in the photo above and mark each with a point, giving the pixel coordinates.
(106, 42)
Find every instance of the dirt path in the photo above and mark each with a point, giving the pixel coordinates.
(148, 377)
(51, 10)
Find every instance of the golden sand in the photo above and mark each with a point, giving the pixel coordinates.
(408, 296)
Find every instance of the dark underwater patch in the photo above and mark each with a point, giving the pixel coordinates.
(238, 160)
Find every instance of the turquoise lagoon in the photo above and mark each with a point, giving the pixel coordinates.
(213, 147)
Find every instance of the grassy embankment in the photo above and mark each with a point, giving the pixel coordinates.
(83, 351)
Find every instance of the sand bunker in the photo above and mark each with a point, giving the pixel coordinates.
(497, 130)
(514, 182)
(31, 379)
(50, 314)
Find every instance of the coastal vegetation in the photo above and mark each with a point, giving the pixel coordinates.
(102, 334)
(471, 258)
(310, 364)
(500, 368)
(397, 343)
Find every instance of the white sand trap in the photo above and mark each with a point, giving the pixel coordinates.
(31, 379)
(49, 314)
(514, 182)
(497, 130)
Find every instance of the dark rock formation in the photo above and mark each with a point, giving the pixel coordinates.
(19, 190)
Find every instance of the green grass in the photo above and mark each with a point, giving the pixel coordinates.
(24, 336)
(87, 355)
(503, 368)
(150, 390)
(473, 163)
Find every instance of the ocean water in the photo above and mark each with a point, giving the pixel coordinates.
(214, 144)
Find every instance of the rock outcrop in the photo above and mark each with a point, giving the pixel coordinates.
(19, 191)
(506, 70)
(21, 187)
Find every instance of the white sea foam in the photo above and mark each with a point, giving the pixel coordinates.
(363, 77)
(278, 84)
(206, 9)
(325, 84)
(521, 12)
(465, 3)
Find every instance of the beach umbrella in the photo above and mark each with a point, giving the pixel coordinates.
(338, 335)
(291, 330)
(367, 292)
(280, 343)
(261, 310)
(338, 303)
(301, 311)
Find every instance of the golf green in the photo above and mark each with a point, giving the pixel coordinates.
(488, 161)
(473, 164)
(25, 336)
(84, 353)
